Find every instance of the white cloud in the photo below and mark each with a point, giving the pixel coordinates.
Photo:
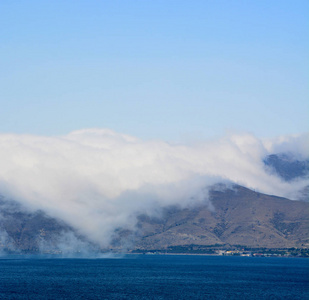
(96, 179)
(297, 144)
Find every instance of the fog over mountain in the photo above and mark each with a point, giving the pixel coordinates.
(97, 180)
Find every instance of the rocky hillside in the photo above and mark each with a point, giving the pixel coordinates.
(22, 230)
(231, 216)
(239, 217)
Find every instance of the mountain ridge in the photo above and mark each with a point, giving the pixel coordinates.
(232, 215)
(240, 217)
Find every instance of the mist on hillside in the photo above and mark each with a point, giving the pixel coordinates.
(98, 180)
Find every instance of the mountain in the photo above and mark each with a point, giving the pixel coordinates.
(239, 217)
(25, 231)
(231, 216)
(236, 216)
(287, 166)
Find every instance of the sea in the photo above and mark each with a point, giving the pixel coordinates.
(154, 277)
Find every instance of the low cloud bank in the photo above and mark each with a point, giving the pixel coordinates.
(97, 179)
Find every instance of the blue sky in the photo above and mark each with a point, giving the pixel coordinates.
(155, 69)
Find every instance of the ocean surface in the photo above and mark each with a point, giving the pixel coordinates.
(154, 277)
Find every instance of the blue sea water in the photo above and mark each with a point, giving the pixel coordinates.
(155, 277)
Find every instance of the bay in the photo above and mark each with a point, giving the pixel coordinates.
(154, 277)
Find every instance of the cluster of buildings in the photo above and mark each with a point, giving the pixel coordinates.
(233, 252)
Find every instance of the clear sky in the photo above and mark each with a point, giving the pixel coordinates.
(155, 69)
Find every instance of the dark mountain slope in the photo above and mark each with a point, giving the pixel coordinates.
(27, 231)
(287, 166)
(240, 217)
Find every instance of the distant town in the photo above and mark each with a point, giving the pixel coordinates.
(180, 250)
(252, 252)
